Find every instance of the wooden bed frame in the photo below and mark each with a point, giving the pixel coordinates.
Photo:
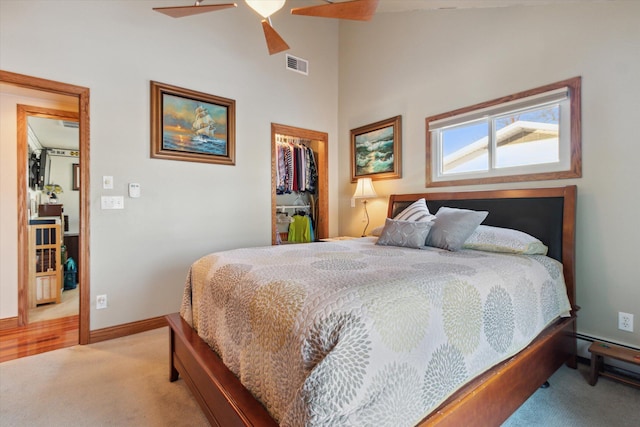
(547, 213)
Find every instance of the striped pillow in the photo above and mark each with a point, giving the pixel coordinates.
(417, 211)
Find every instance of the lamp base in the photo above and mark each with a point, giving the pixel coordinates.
(364, 232)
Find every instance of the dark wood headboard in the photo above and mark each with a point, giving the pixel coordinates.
(546, 213)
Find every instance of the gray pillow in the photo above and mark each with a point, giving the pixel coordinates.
(408, 234)
(452, 227)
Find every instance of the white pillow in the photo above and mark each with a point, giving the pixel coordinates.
(417, 211)
(377, 231)
(506, 240)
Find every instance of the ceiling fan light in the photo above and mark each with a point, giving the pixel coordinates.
(265, 8)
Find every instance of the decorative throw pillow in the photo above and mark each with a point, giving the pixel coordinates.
(417, 211)
(452, 227)
(408, 234)
(505, 240)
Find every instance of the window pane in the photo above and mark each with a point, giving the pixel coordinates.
(528, 138)
(464, 148)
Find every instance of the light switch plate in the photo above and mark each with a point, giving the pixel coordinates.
(112, 202)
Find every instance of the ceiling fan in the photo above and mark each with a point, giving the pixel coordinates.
(359, 10)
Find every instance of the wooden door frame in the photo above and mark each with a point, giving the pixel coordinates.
(322, 223)
(23, 114)
(82, 94)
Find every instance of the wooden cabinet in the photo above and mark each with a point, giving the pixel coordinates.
(45, 266)
(50, 209)
(54, 210)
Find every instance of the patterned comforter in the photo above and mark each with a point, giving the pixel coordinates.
(351, 333)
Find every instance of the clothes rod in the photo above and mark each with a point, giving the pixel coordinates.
(292, 206)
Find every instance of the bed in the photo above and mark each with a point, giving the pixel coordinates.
(486, 399)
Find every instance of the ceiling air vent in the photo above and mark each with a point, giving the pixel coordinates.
(70, 124)
(298, 65)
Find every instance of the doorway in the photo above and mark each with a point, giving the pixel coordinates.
(318, 141)
(53, 205)
(44, 88)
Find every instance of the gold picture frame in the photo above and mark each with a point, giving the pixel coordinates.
(192, 126)
(376, 150)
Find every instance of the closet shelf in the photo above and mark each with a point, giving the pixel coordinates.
(292, 206)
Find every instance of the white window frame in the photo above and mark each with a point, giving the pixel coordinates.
(564, 94)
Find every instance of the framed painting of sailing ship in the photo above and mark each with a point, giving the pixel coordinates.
(192, 126)
(376, 150)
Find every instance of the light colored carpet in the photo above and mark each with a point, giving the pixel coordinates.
(68, 306)
(124, 382)
(121, 382)
(572, 402)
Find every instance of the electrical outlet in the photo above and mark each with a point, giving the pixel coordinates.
(625, 321)
(101, 302)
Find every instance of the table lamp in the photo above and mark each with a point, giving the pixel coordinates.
(365, 190)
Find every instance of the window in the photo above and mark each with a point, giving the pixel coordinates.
(532, 135)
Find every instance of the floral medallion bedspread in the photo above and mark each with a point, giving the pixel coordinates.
(351, 333)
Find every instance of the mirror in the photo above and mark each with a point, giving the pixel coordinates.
(53, 153)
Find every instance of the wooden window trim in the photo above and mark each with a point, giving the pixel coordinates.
(575, 171)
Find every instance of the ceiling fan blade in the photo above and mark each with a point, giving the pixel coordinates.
(275, 43)
(357, 10)
(181, 11)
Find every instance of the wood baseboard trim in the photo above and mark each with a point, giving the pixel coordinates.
(9, 323)
(126, 329)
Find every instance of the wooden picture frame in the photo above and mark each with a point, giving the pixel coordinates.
(192, 126)
(75, 185)
(376, 150)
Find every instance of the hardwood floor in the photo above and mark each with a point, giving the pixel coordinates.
(38, 337)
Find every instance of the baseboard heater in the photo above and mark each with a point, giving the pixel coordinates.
(615, 366)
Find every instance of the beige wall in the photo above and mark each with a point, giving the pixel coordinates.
(456, 58)
(140, 255)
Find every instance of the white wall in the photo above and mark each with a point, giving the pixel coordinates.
(62, 174)
(140, 255)
(454, 58)
(457, 58)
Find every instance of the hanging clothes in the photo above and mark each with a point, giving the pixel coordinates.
(296, 168)
(301, 230)
(281, 169)
(310, 170)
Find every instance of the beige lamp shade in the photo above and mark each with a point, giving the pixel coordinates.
(364, 189)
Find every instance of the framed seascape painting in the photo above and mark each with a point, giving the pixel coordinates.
(376, 150)
(192, 126)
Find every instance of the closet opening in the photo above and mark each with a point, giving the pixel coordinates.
(299, 194)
